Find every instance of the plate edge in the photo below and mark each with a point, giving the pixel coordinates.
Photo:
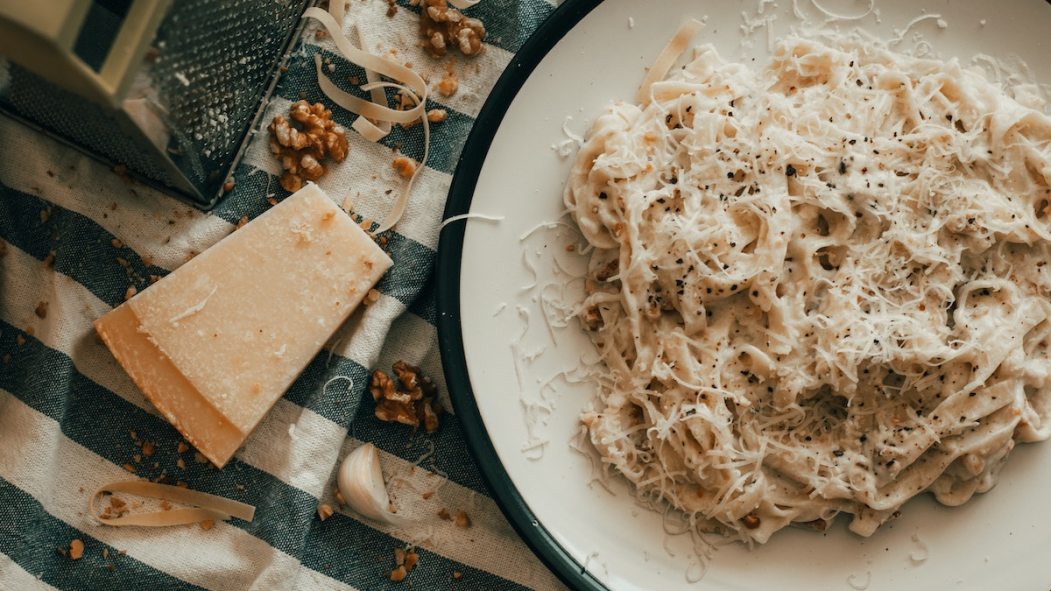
(447, 274)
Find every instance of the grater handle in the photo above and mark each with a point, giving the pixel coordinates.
(40, 37)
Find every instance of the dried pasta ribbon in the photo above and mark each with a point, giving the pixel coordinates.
(206, 506)
(671, 52)
(375, 116)
(372, 131)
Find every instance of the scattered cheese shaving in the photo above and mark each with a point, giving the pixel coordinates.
(919, 555)
(858, 583)
(834, 16)
(899, 34)
(174, 320)
(476, 216)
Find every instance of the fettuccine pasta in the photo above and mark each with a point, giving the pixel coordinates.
(819, 287)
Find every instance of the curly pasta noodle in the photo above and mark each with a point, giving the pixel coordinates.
(817, 288)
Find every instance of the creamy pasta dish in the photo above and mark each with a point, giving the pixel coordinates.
(818, 286)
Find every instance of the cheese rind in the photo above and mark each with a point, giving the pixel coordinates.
(201, 424)
(240, 321)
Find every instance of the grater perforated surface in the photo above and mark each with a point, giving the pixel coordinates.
(214, 61)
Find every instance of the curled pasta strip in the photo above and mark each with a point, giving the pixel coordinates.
(205, 506)
(375, 116)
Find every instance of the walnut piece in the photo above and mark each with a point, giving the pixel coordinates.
(303, 141)
(448, 85)
(324, 511)
(405, 167)
(415, 402)
(411, 559)
(442, 26)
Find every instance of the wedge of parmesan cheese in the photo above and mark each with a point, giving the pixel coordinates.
(217, 342)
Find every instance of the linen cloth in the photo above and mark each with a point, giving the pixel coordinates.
(76, 236)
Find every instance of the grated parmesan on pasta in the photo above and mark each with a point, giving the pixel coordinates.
(817, 288)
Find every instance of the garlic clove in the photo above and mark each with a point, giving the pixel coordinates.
(360, 481)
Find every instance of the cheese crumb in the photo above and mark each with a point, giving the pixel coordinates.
(207, 524)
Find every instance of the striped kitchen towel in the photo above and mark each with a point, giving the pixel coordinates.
(75, 237)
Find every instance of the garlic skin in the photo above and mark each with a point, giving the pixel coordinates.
(360, 481)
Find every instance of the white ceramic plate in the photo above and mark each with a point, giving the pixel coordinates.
(586, 55)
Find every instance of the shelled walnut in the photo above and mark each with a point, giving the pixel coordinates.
(303, 142)
(415, 402)
(442, 26)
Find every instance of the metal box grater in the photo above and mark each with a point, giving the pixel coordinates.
(171, 90)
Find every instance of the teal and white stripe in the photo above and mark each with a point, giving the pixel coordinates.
(66, 407)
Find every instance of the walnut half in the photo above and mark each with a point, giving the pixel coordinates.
(303, 141)
(442, 26)
(415, 402)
